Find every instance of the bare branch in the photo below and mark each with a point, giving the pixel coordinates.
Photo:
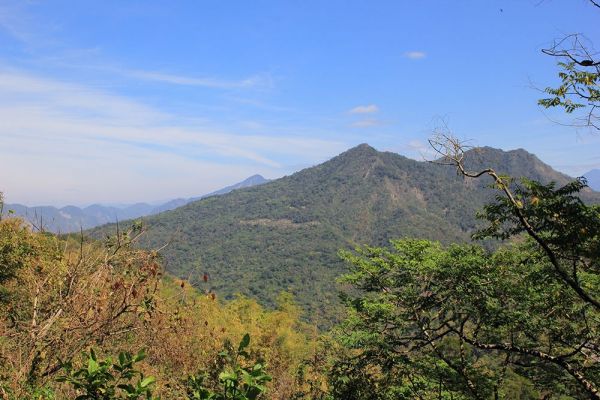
(453, 153)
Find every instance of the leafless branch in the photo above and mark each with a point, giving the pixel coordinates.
(452, 152)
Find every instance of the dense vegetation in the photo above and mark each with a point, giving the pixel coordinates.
(521, 322)
(285, 235)
(424, 320)
(62, 298)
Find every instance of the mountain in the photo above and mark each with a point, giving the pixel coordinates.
(253, 180)
(593, 178)
(72, 219)
(286, 234)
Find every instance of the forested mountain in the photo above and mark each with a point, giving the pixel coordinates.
(593, 179)
(72, 219)
(286, 234)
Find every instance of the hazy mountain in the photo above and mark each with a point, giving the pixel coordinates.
(248, 182)
(72, 219)
(285, 234)
(593, 178)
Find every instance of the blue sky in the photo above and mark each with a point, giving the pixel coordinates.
(125, 101)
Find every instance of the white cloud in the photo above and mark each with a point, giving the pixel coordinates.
(415, 55)
(368, 109)
(61, 142)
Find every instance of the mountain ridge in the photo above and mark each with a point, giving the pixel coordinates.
(593, 179)
(70, 218)
(285, 234)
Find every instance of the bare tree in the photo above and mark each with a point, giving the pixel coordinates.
(452, 152)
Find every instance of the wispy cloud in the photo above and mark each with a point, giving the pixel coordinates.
(250, 82)
(415, 55)
(23, 27)
(13, 24)
(368, 109)
(73, 135)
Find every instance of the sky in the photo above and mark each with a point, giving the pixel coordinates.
(127, 101)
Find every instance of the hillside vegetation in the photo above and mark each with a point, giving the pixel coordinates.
(286, 234)
(61, 298)
(82, 319)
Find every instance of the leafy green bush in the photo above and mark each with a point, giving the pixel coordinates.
(236, 381)
(108, 380)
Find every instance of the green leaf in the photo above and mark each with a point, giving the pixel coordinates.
(92, 366)
(140, 356)
(244, 343)
(228, 376)
(147, 381)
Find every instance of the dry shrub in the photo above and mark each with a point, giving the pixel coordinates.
(62, 296)
(190, 328)
(65, 296)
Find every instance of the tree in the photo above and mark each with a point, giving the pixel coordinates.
(461, 322)
(557, 220)
(579, 90)
(16, 245)
(64, 295)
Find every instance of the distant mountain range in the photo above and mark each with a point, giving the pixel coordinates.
(286, 234)
(72, 219)
(593, 178)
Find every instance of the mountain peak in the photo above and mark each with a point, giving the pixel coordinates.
(362, 148)
(493, 151)
(362, 151)
(286, 234)
(518, 163)
(357, 158)
(255, 179)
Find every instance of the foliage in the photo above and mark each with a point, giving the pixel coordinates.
(237, 382)
(108, 379)
(189, 332)
(284, 235)
(579, 88)
(64, 296)
(459, 321)
(119, 301)
(15, 250)
(565, 229)
(576, 86)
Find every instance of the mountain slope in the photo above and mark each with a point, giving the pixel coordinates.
(593, 178)
(72, 219)
(253, 180)
(285, 234)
